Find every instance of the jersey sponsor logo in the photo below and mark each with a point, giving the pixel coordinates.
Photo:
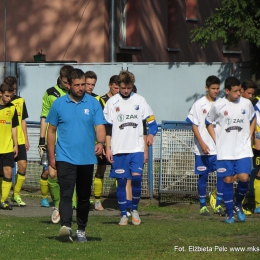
(120, 118)
(228, 121)
(86, 111)
(119, 171)
(201, 168)
(117, 109)
(236, 121)
(204, 111)
(2, 121)
(134, 125)
(131, 117)
(221, 170)
(225, 113)
(136, 107)
(238, 128)
(243, 111)
(257, 160)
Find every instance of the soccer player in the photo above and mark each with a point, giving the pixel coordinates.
(23, 142)
(91, 80)
(8, 141)
(235, 119)
(248, 88)
(102, 161)
(204, 146)
(78, 120)
(49, 176)
(126, 114)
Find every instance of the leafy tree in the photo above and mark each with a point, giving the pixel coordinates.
(236, 20)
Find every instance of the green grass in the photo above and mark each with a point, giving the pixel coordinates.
(161, 231)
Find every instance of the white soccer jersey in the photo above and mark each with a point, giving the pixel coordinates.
(197, 117)
(233, 138)
(126, 117)
(257, 109)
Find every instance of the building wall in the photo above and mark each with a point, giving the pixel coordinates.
(78, 30)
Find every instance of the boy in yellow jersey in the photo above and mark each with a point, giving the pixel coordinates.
(23, 143)
(91, 79)
(8, 141)
(49, 175)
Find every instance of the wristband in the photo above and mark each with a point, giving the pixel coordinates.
(101, 143)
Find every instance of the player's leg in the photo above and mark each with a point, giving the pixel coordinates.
(44, 187)
(83, 190)
(136, 167)
(98, 182)
(20, 176)
(257, 192)
(54, 188)
(225, 170)
(129, 197)
(202, 170)
(6, 164)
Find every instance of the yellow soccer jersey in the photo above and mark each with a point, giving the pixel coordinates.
(8, 120)
(22, 115)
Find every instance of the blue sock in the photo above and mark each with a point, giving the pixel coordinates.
(121, 195)
(129, 204)
(228, 198)
(242, 188)
(136, 190)
(220, 182)
(202, 185)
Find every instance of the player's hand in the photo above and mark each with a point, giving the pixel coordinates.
(41, 149)
(98, 149)
(205, 149)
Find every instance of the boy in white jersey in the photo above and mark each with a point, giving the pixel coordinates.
(204, 146)
(235, 119)
(126, 114)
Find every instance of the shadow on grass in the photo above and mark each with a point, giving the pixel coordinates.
(57, 238)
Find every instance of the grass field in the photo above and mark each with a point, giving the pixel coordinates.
(171, 232)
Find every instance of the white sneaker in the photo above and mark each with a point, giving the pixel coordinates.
(65, 234)
(123, 221)
(55, 216)
(98, 206)
(135, 218)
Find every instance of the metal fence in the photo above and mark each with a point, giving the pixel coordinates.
(169, 173)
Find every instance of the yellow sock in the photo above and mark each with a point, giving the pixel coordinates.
(257, 191)
(98, 187)
(1, 180)
(44, 187)
(6, 187)
(19, 183)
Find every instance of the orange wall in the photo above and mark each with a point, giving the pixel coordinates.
(50, 25)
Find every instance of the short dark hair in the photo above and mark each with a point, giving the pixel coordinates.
(134, 88)
(65, 70)
(212, 80)
(249, 84)
(90, 75)
(231, 82)
(6, 87)
(11, 80)
(75, 74)
(113, 79)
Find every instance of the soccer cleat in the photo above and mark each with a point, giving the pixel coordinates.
(98, 206)
(81, 236)
(123, 221)
(240, 214)
(219, 211)
(45, 203)
(247, 212)
(135, 218)
(65, 234)
(212, 198)
(230, 220)
(18, 200)
(5, 206)
(55, 216)
(257, 210)
(204, 211)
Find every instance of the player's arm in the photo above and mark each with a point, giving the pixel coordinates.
(24, 127)
(15, 123)
(211, 131)
(101, 137)
(153, 129)
(205, 149)
(51, 139)
(109, 154)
